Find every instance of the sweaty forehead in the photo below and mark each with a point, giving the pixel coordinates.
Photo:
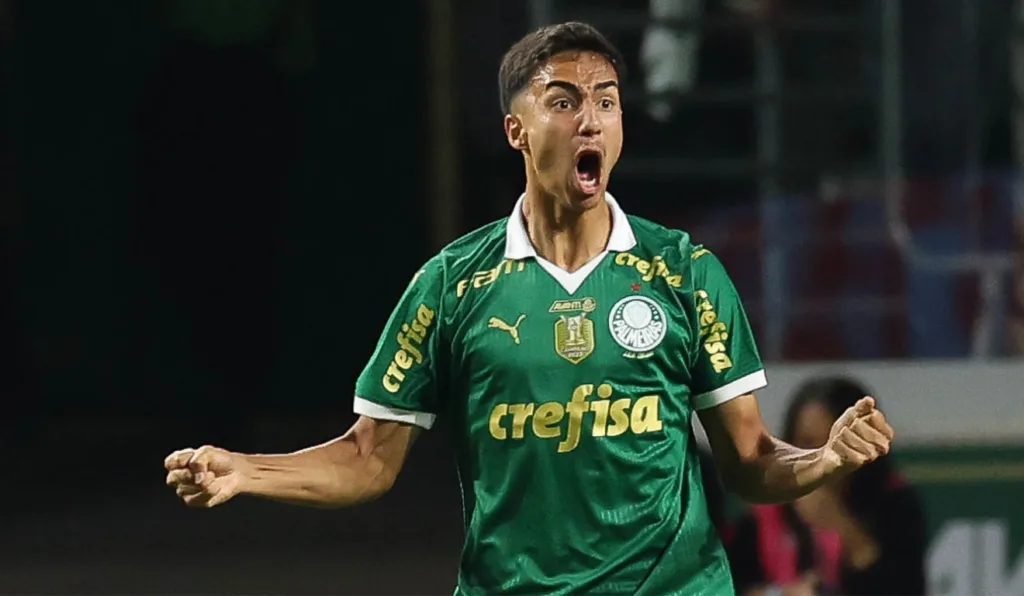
(583, 69)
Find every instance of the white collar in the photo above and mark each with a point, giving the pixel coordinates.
(517, 240)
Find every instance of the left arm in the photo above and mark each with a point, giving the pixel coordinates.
(754, 464)
(726, 370)
(762, 469)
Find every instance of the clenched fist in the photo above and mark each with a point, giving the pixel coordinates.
(204, 477)
(860, 436)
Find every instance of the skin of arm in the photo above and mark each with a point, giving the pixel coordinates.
(355, 468)
(755, 465)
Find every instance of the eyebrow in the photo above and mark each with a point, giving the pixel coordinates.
(571, 88)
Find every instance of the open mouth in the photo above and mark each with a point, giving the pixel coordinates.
(588, 170)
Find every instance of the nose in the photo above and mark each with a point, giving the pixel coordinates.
(589, 123)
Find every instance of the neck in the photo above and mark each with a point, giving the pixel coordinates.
(568, 238)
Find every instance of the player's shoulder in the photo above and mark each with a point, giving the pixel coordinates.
(674, 245)
(480, 249)
(482, 245)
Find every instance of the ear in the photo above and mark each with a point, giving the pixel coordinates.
(515, 132)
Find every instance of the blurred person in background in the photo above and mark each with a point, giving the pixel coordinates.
(862, 535)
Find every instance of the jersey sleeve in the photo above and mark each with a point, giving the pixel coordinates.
(726, 363)
(401, 380)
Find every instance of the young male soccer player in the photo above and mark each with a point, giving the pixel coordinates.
(570, 344)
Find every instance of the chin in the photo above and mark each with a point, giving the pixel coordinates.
(589, 201)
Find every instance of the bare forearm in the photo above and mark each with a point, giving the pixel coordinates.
(334, 474)
(779, 473)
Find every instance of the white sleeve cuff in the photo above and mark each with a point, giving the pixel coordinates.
(365, 407)
(742, 386)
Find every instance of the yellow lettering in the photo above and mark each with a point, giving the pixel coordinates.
(520, 414)
(620, 419)
(600, 410)
(403, 360)
(494, 423)
(644, 415)
(410, 345)
(649, 270)
(658, 269)
(486, 277)
(425, 316)
(545, 418)
(629, 259)
(717, 337)
(720, 362)
(390, 385)
(410, 348)
(714, 332)
(553, 420)
(576, 407)
(395, 372)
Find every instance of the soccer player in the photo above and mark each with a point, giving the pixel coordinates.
(570, 345)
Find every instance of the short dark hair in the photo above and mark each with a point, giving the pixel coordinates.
(527, 55)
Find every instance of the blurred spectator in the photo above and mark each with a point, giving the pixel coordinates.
(864, 535)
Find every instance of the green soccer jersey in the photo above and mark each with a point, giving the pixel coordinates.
(571, 397)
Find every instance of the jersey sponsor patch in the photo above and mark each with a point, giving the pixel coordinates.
(638, 324)
(574, 332)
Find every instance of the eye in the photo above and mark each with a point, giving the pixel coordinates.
(562, 104)
(606, 104)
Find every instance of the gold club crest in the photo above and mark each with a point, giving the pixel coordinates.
(574, 332)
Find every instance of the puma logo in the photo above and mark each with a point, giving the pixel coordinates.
(513, 330)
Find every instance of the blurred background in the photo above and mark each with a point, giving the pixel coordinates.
(209, 207)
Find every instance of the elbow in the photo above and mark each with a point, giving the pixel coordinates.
(746, 475)
(380, 480)
(373, 480)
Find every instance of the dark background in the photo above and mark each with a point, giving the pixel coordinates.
(200, 245)
(207, 211)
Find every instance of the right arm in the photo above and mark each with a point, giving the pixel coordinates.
(355, 468)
